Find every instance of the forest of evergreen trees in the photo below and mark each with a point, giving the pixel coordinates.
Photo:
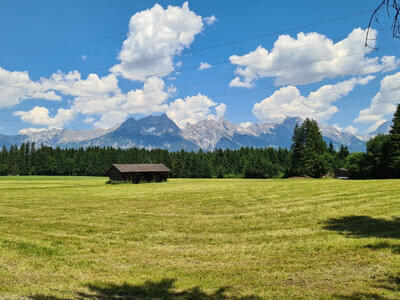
(308, 156)
(382, 159)
(94, 161)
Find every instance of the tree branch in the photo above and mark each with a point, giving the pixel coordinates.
(391, 5)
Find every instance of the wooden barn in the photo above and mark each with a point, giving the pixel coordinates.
(342, 173)
(136, 173)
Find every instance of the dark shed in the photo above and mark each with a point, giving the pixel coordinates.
(138, 172)
(342, 173)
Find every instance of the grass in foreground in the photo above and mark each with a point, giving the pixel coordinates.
(76, 237)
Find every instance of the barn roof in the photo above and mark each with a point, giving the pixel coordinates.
(141, 168)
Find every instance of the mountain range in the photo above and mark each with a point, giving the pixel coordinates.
(383, 128)
(161, 132)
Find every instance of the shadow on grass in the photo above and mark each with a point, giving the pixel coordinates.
(362, 296)
(365, 226)
(391, 283)
(163, 289)
(384, 245)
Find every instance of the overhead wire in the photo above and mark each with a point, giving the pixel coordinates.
(293, 66)
(194, 50)
(162, 74)
(252, 90)
(264, 35)
(221, 62)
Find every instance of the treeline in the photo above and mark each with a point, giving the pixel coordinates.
(246, 162)
(94, 161)
(382, 159)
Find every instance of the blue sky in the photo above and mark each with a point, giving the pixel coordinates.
(93, 63)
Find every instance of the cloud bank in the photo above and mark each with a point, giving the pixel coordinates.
(288, 101)
(310, 57)
(383, 104)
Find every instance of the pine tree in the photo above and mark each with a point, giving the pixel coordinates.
(394, 156)
(4, 161)
(308, 149)
(12, 161)
(343, 152)
(331, 149)
(378, 156)
(297, 161)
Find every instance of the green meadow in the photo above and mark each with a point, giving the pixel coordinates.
(80, 238)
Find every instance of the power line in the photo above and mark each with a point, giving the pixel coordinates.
(252, 90)
(253, 38)
(278, 69)
(254, 55)
(288, 67)
(234, 42)
(283, 31)
(294, 66)
(259, 37)
(163, 74)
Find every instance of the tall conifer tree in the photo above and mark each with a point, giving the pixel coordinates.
(394, 159)
(308, 150)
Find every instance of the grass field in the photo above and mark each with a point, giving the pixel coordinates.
(77, 237)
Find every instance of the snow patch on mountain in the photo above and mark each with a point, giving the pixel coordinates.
(55, 137)
(384, 128)
(207, 133)
(161, 132)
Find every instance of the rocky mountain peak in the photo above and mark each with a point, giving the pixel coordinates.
(151, 125)
(161, 132)
(208, 132)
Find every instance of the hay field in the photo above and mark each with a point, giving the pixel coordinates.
(79, 238)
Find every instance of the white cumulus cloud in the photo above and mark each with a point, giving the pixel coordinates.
(111, 118)
(89, 120)
(383, 104)
(150, 99)
(203, 66)
(40, 115)
(193, 109)
(351, 129)
(155, 36)
(246, 124)
(72, 84)
(288, 101)
(220, 110)
(99, 97)
(30, 131)
(113, 106)
(17, 86)
(337, 127)
(310, 57)
(210, 20)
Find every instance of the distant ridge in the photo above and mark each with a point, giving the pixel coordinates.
(161, 132)
(384, 128)
(150, 132)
